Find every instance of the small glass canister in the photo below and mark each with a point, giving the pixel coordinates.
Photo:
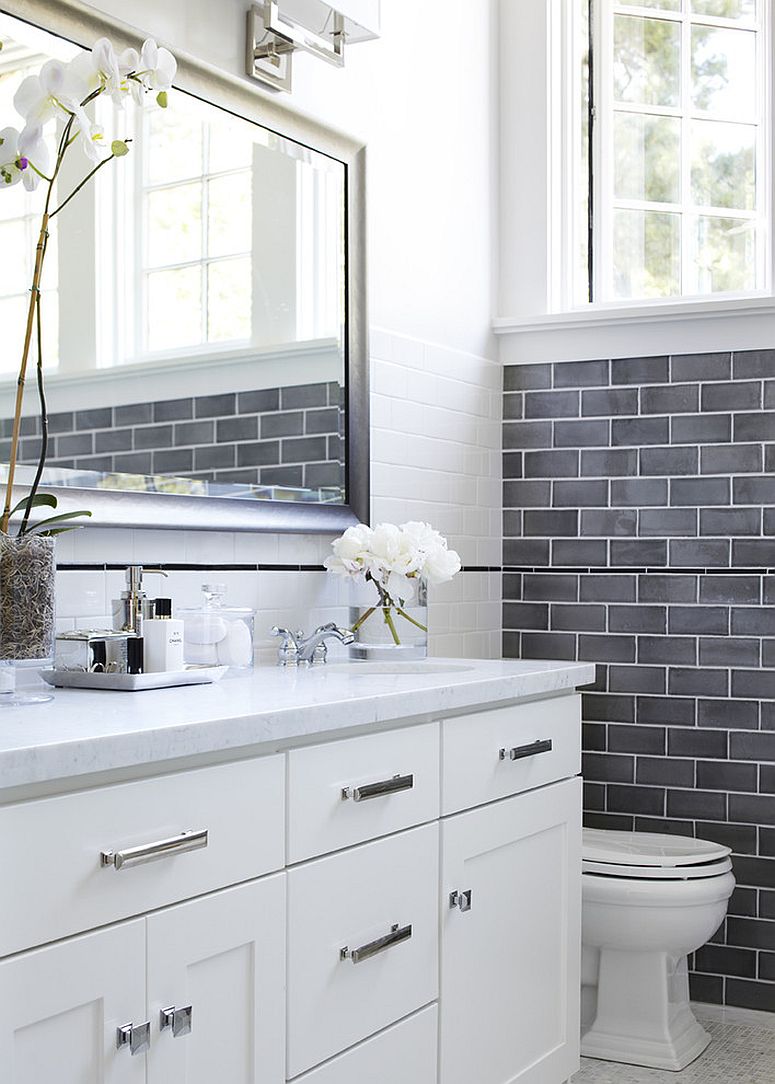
(218, 635)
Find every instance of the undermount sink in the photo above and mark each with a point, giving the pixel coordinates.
(366, 669)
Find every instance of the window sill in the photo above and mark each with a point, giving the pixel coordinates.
(732, 323)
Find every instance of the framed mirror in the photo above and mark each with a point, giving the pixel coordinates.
(203, 305)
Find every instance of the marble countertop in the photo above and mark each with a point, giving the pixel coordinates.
(83, 732)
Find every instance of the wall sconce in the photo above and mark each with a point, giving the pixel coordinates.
(312, 26)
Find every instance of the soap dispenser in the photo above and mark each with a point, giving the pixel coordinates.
(130, 609)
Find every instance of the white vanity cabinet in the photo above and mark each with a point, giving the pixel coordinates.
(403, 904)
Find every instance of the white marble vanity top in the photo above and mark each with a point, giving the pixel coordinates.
(83, 732)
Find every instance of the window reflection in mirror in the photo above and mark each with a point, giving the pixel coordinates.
(194, 305)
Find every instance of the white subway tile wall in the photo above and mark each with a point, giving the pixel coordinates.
(436, 456)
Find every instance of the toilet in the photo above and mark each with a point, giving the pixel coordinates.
(648, 901)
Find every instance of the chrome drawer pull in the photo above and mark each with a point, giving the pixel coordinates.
(395, 937)
(136, 1036)
(177, 1019)
(519, 752)
(150, 852)
(376, 790)
(462, 900)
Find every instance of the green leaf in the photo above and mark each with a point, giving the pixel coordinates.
(61, 530)
(47, 499)
(119, 148)
(161, 99)
(42, 527)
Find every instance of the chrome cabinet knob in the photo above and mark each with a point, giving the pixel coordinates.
(461, 900)
(135, 1036)
(177, 1019)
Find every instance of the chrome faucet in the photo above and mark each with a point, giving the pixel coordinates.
(296, 649)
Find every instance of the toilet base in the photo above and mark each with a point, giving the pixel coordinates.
(643, 1015)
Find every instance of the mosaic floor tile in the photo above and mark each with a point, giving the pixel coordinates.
(742, 1052)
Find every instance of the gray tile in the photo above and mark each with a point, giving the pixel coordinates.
(321, 421)
(732, 459)
(526, 494)
(57, 423)
(705, 553)
(173, 461)
(581, 434)
(609, 522)
(282, 476)
(732, 521)
(729, 651)
(730, 589)
(154, 436)
(551, 404)
(303, 395)
(701, 367)
(667, 650)
(637, 619)
(133, 463)
(529, 551)
(580, 552)
(512, 523)
(580, 494)
(670, 399)
(670, 460)
(520, 377)
(194, 433)
(559, 463)
(667, 522)
(638, 492)
(527, 435)
(650, 370)
(259, 454)
(753, 620)
(525, 615)
(133, 414)
(173, 410)
(551, 523)
(258, 402)
(608, 401)
(282, 424)
(758, 426)
(323, 475)
(94, 419)
(701, 428)
(111, 440)
(553, 587)
(303, 450)
(215, 406)
(753, 364)
(609, 588)
(578, 618)
(513, 406)
(711, 620)
(752, 553)
(698, 682)
(640, 431)
(77, 444)
(580, 374)
(241, 427)
(753, 490)
(613, 463)
(700, 491)
(733, 395)
(655, 588)
(631, 553)
(215, 457)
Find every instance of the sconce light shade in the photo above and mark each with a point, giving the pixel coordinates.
(278, 29)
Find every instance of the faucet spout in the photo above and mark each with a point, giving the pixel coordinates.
(331, 631)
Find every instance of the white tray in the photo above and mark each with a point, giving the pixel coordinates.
(133, 683)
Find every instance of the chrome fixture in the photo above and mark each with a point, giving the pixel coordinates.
(461, 900)
(377, 790)
(179, 1020)
(519, 752)
(128, 611)
(274, 35)
(395, 937)
(151, 852)
(297, 650)
(136, 1036)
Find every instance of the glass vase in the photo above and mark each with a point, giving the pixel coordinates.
(27, 616)
(390, 633)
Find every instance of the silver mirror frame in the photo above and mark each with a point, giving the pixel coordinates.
(82, 25)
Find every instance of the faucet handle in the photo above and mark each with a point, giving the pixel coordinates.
(288, 651)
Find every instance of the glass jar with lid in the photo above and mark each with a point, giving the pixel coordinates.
(218, 635)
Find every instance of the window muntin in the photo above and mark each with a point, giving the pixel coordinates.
(680, 150)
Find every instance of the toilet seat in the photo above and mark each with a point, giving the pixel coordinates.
(650, 855)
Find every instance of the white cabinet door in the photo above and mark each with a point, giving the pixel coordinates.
(224, 956)
(61, 1008)
(510, 954)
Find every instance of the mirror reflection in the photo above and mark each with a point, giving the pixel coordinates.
(193, 305)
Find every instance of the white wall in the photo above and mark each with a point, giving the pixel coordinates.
(423, 97)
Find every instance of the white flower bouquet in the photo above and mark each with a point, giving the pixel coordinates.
(396, 560)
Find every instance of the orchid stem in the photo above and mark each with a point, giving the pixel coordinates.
(390, 624)
(405, 615)
(363, 618)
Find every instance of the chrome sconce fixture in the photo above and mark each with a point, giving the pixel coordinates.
(274, 35)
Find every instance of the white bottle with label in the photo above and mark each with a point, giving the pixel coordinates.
(163, 639)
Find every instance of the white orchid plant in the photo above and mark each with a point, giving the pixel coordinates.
(63, 92)
(395, 559)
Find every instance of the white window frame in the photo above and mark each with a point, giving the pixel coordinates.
(537, 318)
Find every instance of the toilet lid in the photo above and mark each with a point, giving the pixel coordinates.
(661, 873)
(649, 849)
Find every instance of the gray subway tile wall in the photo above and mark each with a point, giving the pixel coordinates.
(289, 436)
(639, 533)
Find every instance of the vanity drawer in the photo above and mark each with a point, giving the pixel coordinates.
(493, 754)
(54, 879)
(404, 1054)
(362, 943)
(391, 781)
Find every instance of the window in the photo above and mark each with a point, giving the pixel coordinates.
(674, 118)
(20, 213)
